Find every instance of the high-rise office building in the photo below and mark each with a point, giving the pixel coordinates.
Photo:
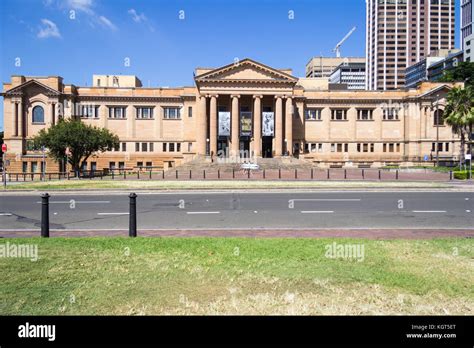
(467, 14)
(400, 33)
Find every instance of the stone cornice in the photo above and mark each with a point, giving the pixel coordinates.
(135, 98)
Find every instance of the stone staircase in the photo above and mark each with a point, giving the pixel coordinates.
(264, 163)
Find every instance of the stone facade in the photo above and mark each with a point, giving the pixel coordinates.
(163, 127)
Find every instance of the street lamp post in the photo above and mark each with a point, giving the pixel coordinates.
(437, 130)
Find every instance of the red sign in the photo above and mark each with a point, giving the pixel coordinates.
(4, 147)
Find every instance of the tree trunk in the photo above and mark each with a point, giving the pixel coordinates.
(461, 151)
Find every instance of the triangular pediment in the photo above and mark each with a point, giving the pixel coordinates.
(442, 89)
(32, 84)
(246, 70)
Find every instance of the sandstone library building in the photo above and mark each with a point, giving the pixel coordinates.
(245, 108)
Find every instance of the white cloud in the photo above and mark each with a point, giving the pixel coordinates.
(48, 29)
(107, 22)
(137, 17)
(81, 5)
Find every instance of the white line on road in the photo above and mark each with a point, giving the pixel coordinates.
(328, 200)
(317, 212)
(113, 213)
(5, 214)
(428, 211)
(78, 202)
(202, 212)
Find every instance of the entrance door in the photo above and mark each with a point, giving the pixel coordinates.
(222, 147)
(267, 147)
(244, 147)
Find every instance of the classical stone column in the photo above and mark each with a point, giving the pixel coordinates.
(21, 120)
(257, 129)
(213, 126)
(278, 126)
(51, 114)
(201, 133)
(235, 126)
(289, 125)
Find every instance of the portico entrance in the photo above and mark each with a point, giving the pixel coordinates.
(223, 147)
(245, 147)
(267, 147)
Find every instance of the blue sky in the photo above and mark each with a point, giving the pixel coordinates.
(78, 38)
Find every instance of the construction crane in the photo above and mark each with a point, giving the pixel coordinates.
(337, 49)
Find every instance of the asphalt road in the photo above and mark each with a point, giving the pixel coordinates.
(414, 210)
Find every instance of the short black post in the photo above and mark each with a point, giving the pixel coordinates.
(279, 173)
(163, 174)
(138, 174)
(363, 174)
(125, 174)
(396, 174)
(204, 174)
(101, 175)
(150, 174)
(345, 174)
(450, 175)
(132, 227)
(380, 174)
(190, 174)
(264, 173)
(218, 173)
(296, 173)
(176, 174)
(248, 174)
(312, 173)
(45, 215)
(328, 174)
(233, 173)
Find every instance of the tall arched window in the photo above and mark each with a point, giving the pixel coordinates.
(438, 118)
(38, 114)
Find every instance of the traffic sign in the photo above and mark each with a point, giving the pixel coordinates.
(426, 158)
(4, 147)
(468, 157)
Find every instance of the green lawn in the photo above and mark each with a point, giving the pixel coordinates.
(237, 276)
(213, 184)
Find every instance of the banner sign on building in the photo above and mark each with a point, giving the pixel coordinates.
(268, 124)
(224, 124)
(246, 123)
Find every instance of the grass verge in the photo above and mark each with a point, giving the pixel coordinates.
(123, 276)
(211, 184)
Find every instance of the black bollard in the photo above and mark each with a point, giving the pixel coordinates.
(132, 228)
(45, 215)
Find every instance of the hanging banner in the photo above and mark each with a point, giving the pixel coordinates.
(268, 124)
(224, 124)
(245, 123)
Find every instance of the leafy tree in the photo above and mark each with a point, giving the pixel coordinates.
(82, 140)
(464, 72)
(459, 114)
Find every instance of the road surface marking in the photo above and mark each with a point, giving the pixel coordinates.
(78, 202)
(113, 213)
(317, 212)
(429, 211)
(468, 211)
(202, 212)
(5, 214)
(328, 200)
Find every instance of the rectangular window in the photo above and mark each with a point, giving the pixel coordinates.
(145, 112)
(24, 167)
(34, 167)
(124, 147)
(333, 147)
(117, 147)
(178, 147)
(145, 147)
(152, 147)
(339, 147)
(313, 114)
(171, 147)
(372, 147)
(320, 147)
(164, 147)
(93, 166)
(391, 147)
(111, 165)
(447, 147)
(398, 147)
(433, 147)
(339, 115)
(149, 165)
(190, 147)
(366, 147)
(137, 147)
(390, 114)
(190, 111)
(87, 111)
(346, 147)
(384, 147)
(121, 166)
(364, 114)
(118, 112)
(440, 147)
(171, 113)
(358, 147)
(84, 166)
(139, 165)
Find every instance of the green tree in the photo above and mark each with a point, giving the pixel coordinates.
(459, 114)
(464, 72)
(82, 140)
